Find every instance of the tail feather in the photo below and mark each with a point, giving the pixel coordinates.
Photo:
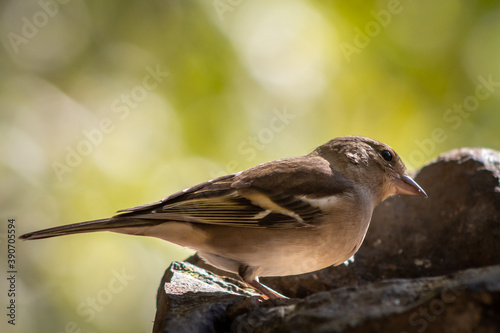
(88, 226)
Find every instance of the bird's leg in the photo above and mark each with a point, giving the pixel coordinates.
(246, 274)
(265, 290)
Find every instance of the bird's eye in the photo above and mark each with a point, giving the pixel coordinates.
(386, 155)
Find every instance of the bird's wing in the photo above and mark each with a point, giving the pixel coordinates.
(287, 199)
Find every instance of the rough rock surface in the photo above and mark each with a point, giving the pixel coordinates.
(414, 249)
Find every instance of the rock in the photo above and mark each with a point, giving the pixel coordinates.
(467, 302)
(455, 229)
(190, 298)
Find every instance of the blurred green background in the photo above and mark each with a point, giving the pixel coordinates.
(110, 104)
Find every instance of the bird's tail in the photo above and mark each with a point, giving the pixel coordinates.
(88, 226)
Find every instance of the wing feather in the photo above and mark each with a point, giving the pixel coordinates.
(244, 200)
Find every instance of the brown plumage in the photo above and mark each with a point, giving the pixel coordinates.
(284, 217)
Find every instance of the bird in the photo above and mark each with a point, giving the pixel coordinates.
(284, 217)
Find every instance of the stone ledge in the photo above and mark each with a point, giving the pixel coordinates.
(413, 249)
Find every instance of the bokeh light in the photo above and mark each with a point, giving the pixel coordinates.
(109, 105)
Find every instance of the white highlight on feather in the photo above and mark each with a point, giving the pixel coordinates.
(325, 204)
(263, 201)
(262, 214)
(348, 261)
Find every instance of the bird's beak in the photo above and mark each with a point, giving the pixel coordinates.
(406, 185)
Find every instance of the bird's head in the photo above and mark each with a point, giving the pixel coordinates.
(372, 164)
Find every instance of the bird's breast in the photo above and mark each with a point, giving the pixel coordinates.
(326, 247)
(281, 252)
